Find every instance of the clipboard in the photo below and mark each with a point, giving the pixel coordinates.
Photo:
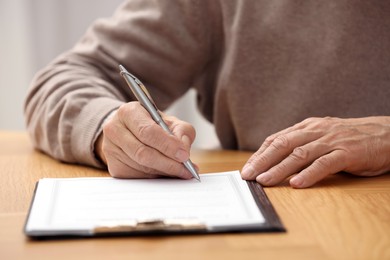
(53, 214)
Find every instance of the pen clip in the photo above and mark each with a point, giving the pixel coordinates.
(142, 87)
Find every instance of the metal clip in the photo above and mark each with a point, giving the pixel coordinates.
(150, 226)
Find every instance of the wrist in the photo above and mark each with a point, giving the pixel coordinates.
(98, 149)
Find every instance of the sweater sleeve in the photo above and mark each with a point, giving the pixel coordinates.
(164, 43)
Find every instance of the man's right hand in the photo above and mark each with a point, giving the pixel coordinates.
(133, 145)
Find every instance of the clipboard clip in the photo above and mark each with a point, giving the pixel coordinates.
(152, 225)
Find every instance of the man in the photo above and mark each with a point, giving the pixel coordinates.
(311, 79)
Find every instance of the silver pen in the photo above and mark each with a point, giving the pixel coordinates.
(141, 93)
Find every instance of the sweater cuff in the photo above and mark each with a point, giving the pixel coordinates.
(87, 128)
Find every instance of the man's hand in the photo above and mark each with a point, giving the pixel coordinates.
(134, 146)
(318, 147)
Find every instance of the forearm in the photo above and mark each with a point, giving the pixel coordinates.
(65, 107)
(71, 97)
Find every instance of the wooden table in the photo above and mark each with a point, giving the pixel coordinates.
(345, 217)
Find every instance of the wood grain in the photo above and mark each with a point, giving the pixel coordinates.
(343, 217)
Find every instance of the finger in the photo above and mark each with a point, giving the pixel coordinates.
(121, 165)
(328, 164)
(150, 133)
(299, 126)
(140, 156)
(118, 169)
(268, 141)
(279, 149)
(294, 162)
(149, 160)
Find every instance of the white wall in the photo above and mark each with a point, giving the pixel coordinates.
(34, 32)
(15, 62)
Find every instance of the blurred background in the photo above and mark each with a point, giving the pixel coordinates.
(35, 32)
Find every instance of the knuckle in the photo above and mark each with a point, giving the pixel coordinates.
(326, 122)
(300, 154)
(141, 155)
(123, 110)
(323, 163)
(310, 120)
(167, 146)
(109, 129)
(317, 122)
(145, 131)
(281, 142)
(258, 159)
(268, 141)
(127, 109)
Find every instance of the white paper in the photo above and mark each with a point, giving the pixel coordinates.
(220, 199)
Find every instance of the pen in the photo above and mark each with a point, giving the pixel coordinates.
(141, 93)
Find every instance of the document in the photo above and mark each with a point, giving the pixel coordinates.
(221, 202)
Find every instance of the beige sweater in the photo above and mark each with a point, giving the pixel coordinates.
(258, 67)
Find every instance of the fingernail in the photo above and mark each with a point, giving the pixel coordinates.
(297, 182)
(247, 172)
(182, 155)
(264, 179)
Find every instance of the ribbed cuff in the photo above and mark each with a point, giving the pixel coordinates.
(87, 129)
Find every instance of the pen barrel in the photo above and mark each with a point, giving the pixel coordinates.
(149, 105)
(163, 125)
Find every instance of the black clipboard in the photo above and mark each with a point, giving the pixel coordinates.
(160, 226)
